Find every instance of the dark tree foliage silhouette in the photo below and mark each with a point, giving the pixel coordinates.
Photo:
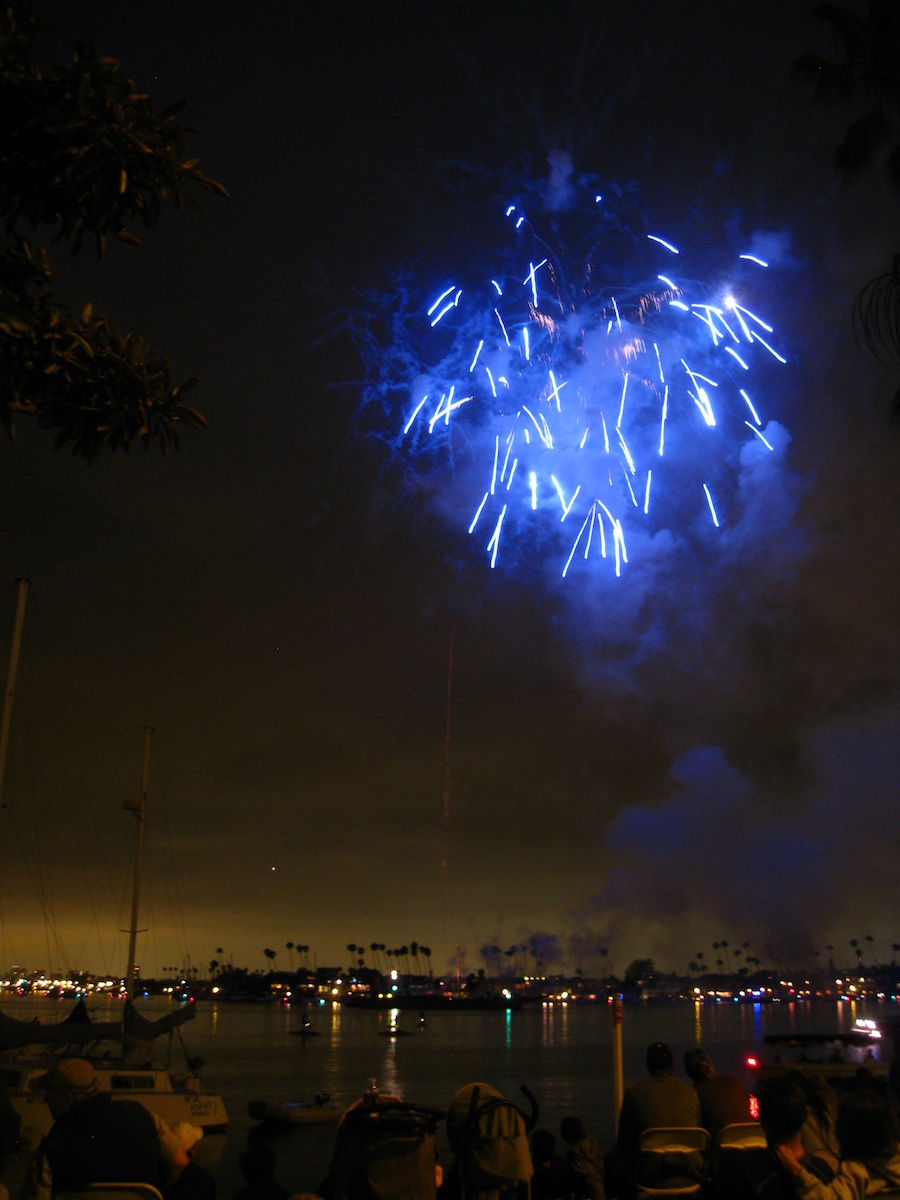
(83, 157)
(866, 76)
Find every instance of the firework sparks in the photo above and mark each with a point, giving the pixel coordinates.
(585, 394)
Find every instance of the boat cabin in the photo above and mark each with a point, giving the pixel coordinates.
(837, 1057)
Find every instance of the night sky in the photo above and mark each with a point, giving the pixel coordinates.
(704, 748)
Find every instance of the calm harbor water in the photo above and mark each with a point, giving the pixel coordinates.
(563, 1054)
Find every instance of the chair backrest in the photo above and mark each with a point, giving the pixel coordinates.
(747, 1135)
(112, 1191)
(667, 1141)
(671, 1161)
(667, 1193)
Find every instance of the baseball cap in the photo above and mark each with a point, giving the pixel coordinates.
(68, 1075)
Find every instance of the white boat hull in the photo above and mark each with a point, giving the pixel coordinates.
(153, 1087)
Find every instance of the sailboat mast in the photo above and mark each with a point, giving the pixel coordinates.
(18, 624)
(140, 811)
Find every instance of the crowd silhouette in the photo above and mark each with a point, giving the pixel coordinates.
(702, 1136)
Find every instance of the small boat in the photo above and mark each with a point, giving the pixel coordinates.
(296, 1113)
(305, 1031)
(394, 1031)
(837, 1057)
(175, 1099)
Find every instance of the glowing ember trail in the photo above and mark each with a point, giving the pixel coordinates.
(575, 398)
(445, 854)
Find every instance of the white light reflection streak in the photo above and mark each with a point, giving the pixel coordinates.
(662, 423)
(737, 357)
(509, 446)
(712, 507)
(415, 413)
(567, 508)
(441, 297)
(502, 326)
(494, 543)
(667, 245)
(759, 435)
(618, 539)
(589, 519)
(555, 390)
(749, 404)
(478, 511)
(543, 433)
(756, 338)
(532, 279)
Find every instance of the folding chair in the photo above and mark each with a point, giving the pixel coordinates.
(670, 1162)
(112, 1191)
(747, 1135)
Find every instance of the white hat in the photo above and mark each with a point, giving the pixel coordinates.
(188, 1135)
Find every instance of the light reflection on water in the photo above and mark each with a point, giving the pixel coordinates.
(563, 1054)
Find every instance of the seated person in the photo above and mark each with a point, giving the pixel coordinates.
(659, 1100)
(870, 1155)
(257, 1165)
(95, 1139)
(723, 1098)
(762, 1174)
(551, 1179)
(585, 1159)
(193, 1183)
(818, 1133)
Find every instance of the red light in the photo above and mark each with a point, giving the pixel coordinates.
(754, 1108)
(752, 1062)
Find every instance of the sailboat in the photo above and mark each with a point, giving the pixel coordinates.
(121, 1051)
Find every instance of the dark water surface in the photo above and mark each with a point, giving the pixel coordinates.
(563, 1054)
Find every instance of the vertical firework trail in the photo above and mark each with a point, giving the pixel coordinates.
(445, 856)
